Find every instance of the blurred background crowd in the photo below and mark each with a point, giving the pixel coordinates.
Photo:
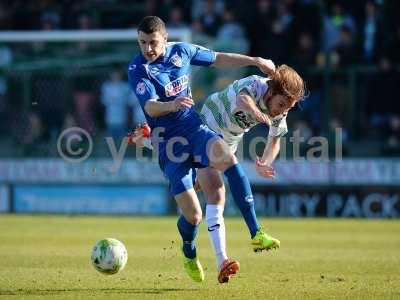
(347, 51)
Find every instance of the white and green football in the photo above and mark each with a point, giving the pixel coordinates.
(109, 256)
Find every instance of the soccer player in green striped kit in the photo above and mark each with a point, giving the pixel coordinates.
(231, 113)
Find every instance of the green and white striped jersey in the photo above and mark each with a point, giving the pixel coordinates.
(221, 114)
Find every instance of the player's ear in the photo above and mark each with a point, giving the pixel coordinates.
(165, 36)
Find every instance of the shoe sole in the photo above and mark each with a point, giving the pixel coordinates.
(268, 248)
(228, 271)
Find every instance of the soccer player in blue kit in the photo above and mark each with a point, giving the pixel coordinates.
(159, 77)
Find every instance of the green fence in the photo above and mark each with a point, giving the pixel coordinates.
(50, 87)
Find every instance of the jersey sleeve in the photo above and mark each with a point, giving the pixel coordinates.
(143, 88)
(200, 56)
(278, 127)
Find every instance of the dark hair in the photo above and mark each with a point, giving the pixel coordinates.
(151, 24)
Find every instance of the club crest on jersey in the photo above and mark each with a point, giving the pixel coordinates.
(140, 88)
(277, 120)
(175, 87)
(176, 60)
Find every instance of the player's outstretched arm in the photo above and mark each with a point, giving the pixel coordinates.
(263, 165)
(247, 104)
(234, 60)
(156, 108)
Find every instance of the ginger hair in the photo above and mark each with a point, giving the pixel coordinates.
(287, 82)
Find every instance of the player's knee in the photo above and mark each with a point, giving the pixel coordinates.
(224, 161)
(229, 161)
(195, 219)
(219, 152)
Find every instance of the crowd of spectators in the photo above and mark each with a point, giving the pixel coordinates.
(297, 32)
(360, 31)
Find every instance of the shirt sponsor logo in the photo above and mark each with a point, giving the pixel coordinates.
(176, 60)
(244, 120)
(140, 88)
(175, 87)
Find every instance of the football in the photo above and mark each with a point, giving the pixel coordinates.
(109, 256)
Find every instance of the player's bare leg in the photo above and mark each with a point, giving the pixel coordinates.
(214, 190)
(190, 206)
(222, 159)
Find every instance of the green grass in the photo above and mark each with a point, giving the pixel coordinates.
(48, 257)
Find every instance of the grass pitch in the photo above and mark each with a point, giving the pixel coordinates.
(48, 257)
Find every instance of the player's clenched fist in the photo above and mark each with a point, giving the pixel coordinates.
(266, 66)
(139, 136)
(182, 103)
(263, 169)
(261, 117)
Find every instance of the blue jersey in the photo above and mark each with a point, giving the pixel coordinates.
(163, 80)
(167, 78)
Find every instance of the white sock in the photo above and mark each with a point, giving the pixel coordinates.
(216, 231)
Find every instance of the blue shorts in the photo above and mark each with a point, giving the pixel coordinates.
(179, 160)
